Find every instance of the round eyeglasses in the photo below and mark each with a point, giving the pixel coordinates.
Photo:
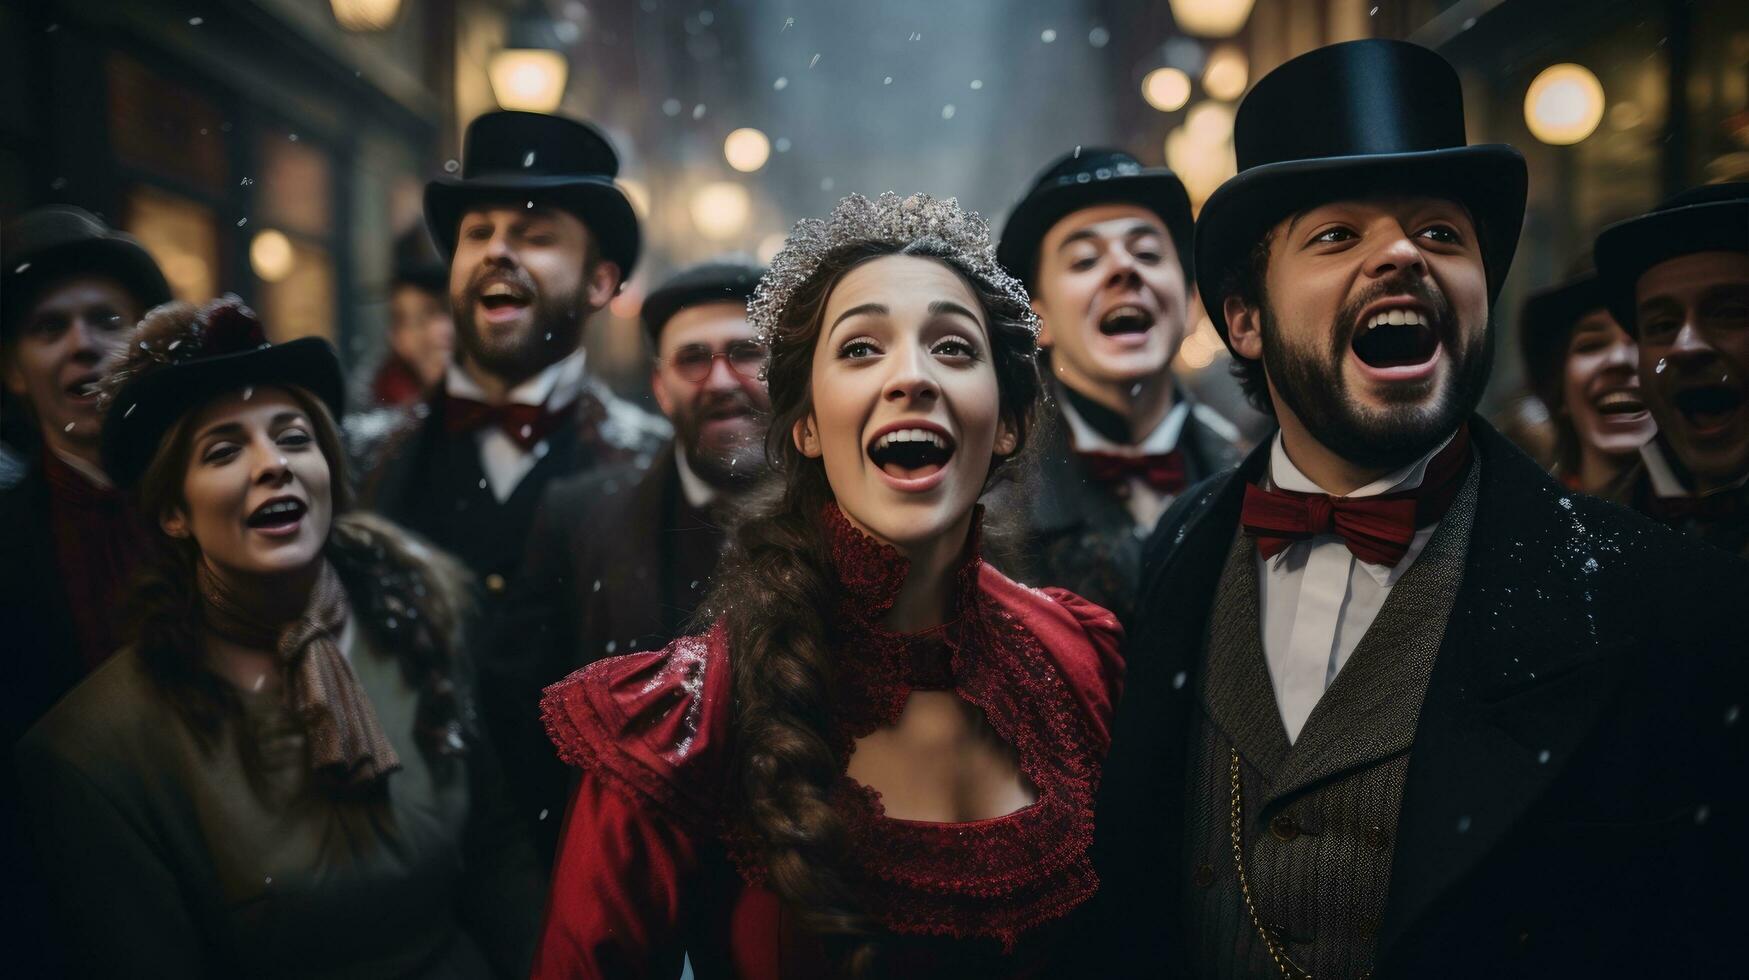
(693, 362)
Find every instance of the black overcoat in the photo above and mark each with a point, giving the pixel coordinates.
(1575, 799)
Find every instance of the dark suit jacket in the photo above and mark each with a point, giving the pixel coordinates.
(616, 561)
(1080, 535)
(41, 664)
(1575, 799)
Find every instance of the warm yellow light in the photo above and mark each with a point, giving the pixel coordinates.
(720, 210)
(271, 256)
(1227, 73)
(1211, 18)
(1202, 162)
(1202, 346)
(638, 194)
(746, 150)
(1210, 122)
(188, 273)
(1564, 104)
(1166, 89)
(365, 15)
(769, 246)
(530, 79)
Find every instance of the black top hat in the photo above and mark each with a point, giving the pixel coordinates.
(60, 240)
(529, 156)
(1709, 218)
(1545, 325)
(418, 264)
(708, 282)
(181, 358)
(1353, 120)
(1082, 179)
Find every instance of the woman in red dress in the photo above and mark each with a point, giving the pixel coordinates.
(880, 758)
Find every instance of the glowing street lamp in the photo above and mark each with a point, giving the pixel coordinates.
(365, 15)
(271, 255)
(1227, 73)
(746, 150)
(530, 79)
(1564, 104)
(1211, 18)
(720, 209)
(1166, 89)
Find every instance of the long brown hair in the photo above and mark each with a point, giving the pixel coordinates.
(410, 598)
(776, 589)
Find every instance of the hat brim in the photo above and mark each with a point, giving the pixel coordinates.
(1627, 249)
(597, 201)
(116, 257)
(1545, 324)
(148, 407)
(1490, 180)
(1160, 191)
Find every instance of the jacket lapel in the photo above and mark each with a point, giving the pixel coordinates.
(1235, 686)
(1522, 675)
(1369, 712)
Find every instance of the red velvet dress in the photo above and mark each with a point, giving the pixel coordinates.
(650, 869)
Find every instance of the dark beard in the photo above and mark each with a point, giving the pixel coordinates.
(1310, 382)
(555, 331)
(735, 469)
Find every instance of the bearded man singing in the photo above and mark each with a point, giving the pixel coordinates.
(1399, 703)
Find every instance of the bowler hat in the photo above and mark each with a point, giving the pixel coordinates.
(180, 359)
(1353, 120)
(1709, 218)
(1545, 325)
(707, 282)
(53, 242)
(1086, 177)
(517, 157)
(417, 262)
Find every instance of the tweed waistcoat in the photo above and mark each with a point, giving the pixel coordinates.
(1319, 816)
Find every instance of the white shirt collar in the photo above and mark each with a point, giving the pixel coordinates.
(697, 492)
(556, 385)
(1284, 475)
(1665, 482)
(96, 476)
(1162, 440)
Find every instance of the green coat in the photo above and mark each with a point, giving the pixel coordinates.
(166, 857)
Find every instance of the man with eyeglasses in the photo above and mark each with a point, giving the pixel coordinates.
(619, 558)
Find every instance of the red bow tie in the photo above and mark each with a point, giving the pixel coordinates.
(526, 425)
(1162, 471)
(1378, 530)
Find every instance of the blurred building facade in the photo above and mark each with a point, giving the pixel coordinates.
(273, 148)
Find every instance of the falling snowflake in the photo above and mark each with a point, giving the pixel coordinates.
(947, 111)
(451, 166)
(813, 61)
(1099, 37)
(528, 159)
(196, 21)
(977, 83)
(781, 83)
(1048, 35)
(698, 111)
(670, 107)
(887, 80)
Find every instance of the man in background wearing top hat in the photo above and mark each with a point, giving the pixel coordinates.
(1399, 704)
(70, 287)
(538, 238)
(1584, 368)
(1103, 246)
(421, 327)
(619, 558)
(1678, 279)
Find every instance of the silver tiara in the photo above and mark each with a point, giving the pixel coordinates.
(888, 218)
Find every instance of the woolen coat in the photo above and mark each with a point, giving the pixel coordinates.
(616, 562)
(1574, 803)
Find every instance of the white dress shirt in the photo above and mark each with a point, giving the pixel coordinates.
(1145, 503)
(693, 487)
(503, 461)
(1317, 599)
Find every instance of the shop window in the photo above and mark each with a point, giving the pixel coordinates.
(181, 235)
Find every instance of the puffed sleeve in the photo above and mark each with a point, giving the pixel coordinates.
(1085, 638)
(647, 730)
